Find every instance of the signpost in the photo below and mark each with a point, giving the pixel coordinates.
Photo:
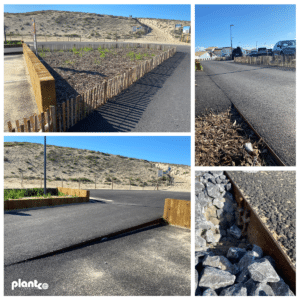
(34, 35)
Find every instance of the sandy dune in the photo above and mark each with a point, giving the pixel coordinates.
(68, 166)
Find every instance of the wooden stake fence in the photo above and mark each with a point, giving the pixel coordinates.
(59, 118)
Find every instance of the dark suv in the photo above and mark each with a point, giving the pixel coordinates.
(285, 48)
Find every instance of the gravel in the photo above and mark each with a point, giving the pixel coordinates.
(225, 263)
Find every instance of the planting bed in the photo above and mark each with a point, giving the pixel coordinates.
(220, 141)
(78, 70)
(28, 198)
(12, 44)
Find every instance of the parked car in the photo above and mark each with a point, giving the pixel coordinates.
(262, 51)
(237, 52)
(253, 53)
(284, 48)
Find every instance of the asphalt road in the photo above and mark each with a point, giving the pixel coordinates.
(158, 102)
(273, 195)
(154, 261)
(266, 96)
(33, 232)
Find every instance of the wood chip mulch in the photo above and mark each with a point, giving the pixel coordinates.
(220, 141)
(77, 73)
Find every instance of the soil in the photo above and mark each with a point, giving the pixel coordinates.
(77, 73)
(220, 141)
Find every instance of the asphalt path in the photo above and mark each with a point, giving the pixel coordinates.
(158, 102)
(266, 96)
(273, 196)
(150, 262)
(33, 232)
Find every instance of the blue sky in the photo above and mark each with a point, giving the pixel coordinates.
(171, 149)
(175, 12)
(264, 24)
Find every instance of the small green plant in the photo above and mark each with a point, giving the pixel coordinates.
(97, 62)
(69, 62)
(138, 56)
(42, 53)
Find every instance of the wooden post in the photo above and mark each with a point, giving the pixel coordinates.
(28, 126)
(18, 126)
(77, 109)
(48, 119)
(64, 115)
(59, 118)
(54, 117)
(68, 114)
(72, 111)
(112, 183)
(9, 126)
(41, 181)
(21, 178)
(129, 184)
(95, 182)
(22, 128)
(35, 123)
(25, 124)
(79, 183)
(42, 122)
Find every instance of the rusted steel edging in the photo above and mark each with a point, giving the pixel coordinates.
(278, 160)
(257, 233)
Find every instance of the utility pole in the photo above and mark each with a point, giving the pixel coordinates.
(45, 163)
(34, 35)
(231, 39)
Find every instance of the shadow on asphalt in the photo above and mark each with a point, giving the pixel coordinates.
(17, 213)
(123, 112)
(95, 241)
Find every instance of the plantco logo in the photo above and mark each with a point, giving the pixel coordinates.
(30, 284)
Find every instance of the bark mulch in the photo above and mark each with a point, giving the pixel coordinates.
(220, 141)
(82, 69)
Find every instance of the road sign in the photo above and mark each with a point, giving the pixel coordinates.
(160, 173)
(134, 28)
(178, 26)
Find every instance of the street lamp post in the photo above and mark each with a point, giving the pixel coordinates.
(231, 39)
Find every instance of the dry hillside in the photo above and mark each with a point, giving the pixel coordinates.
(58, 25)
(71, 164)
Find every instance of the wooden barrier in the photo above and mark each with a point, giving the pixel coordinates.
(177, 212)
(80, 196)
(59, 118)
(42, 82)
(278, 60)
